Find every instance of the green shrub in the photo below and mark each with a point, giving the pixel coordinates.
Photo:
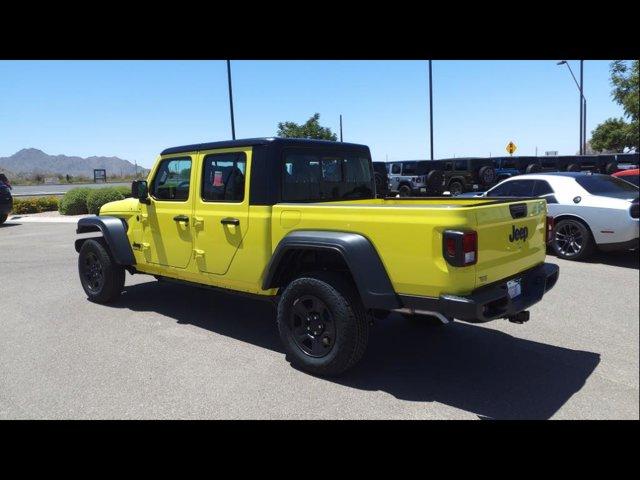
(99, 196)
(125, 191)
(74, 201)
(35, 205)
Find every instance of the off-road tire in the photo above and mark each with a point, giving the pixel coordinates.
(573, 167)
(533, 168)
(610, 168)
(456, 188)
(351, 323)
(96, 261)
(404, 191)
(587, 242)
(487, 175)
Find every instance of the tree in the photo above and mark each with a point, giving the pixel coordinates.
(615, 134)
(310, 129)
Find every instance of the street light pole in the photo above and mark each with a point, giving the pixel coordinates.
(233, 125)
(430, 111)
(341, 127)
(583, 103)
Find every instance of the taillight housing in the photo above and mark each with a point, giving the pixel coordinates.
(634, 210)
(460, 248)
(548, 227)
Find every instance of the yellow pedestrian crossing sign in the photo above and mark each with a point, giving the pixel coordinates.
(511, 148)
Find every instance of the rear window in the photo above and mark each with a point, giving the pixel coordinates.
(605, 185)
(312, 177)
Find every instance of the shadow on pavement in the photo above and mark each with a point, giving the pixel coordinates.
(477, 369)
(6, 225)
(626, 259)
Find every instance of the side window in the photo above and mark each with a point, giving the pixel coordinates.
(542, 188)
(409, 168)
(501, 190)
(223, 176)
(395, 169)
(460, 165)
(301, 177)
(521, 188)
(172, 179)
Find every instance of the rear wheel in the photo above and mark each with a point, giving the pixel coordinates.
(3, 218)
(610, 168)
(574, 167)
(487, 175)
(101, 277)
(322, 323)
(533, 168)
(455, 187)
(404, 191)
(572, 240)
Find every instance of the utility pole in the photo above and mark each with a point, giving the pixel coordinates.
(341, 127)
(430, 111)
(582, 139)
(233, 126)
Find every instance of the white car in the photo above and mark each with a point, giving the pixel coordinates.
(589, 210)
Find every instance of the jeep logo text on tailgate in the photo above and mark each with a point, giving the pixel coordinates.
(518, 233)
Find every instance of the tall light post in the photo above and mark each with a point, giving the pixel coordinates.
(233, 125)
(430, 111)
(340, 127)
(583, 105)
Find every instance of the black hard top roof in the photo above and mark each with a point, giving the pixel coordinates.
(571, 174)
(249, 142)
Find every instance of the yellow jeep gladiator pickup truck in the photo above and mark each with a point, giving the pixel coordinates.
(297, 221)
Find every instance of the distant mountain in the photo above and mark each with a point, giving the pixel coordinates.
(34, 161)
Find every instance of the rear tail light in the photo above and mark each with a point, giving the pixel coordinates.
(549, 224)
(460, 248)
(634, 210)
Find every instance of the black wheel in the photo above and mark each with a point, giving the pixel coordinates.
(611, 167)
(572, 240)
(322, 324)
(487, 175)
(574, 167)
(455, 187)
(3, 218)
(101, 277)
(533, 168)
(404, 191)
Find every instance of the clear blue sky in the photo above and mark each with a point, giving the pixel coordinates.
(134, 109)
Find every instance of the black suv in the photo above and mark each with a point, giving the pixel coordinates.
(606, 164)
(6, 200)
(467, 174)
(381, 178)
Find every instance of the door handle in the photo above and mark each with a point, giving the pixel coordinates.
(230, 221)
(181, 218)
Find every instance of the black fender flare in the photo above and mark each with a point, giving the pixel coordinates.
(114, 232)
(359, 254)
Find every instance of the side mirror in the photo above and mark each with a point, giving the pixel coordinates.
(140, 190)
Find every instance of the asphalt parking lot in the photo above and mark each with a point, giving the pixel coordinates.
(166, 351)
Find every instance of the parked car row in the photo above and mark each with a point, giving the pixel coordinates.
(459, 175)
(590, 211)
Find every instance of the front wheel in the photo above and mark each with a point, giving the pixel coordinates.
(322, 324)
(101, 277)
(404, 191)
(572, 240)
(3, 218)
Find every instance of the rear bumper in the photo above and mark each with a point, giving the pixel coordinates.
(492, 301)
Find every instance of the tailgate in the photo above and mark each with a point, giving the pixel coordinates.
(511, 238)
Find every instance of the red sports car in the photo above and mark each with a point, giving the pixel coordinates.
(631, 176)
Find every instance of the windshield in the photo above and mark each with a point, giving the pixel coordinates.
(607, 186)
